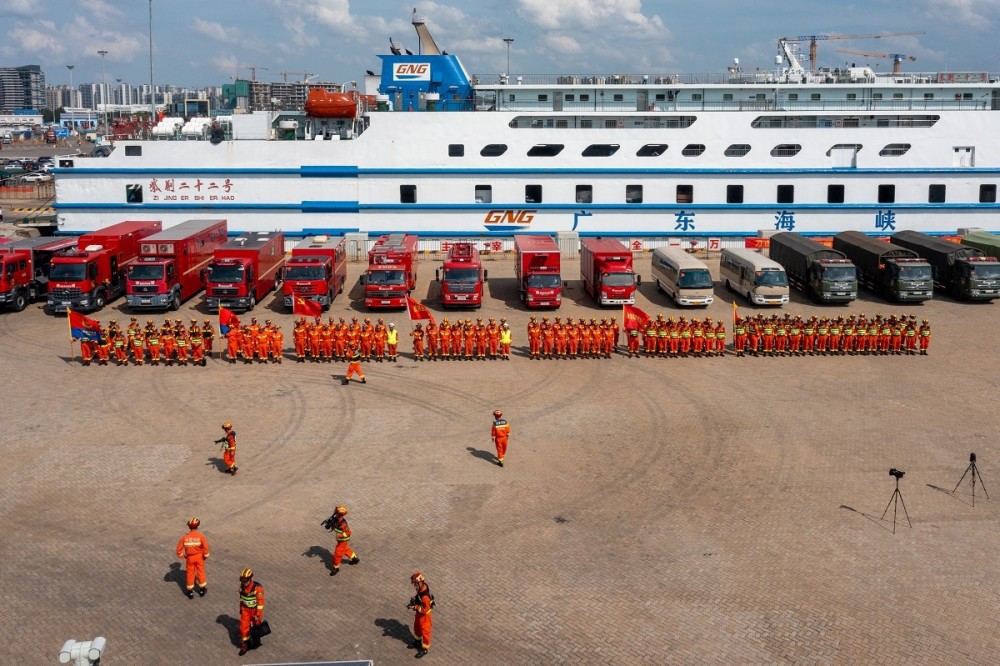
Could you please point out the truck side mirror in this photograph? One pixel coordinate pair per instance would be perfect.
(363, 279)
(638, 279)
(485, 275)
(437, 274)
(203, 275)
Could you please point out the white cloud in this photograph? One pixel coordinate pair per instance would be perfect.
(216, 31)
(100, 9)
(20, 7)
(29, 40)
(619, 16)
(978, 14)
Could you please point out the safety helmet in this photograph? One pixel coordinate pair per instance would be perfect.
(923, 321)
(392, 325)
(149, 321)
(193, 523)
(208, 321)
(506, 325)
(368, 320)
(354, 318)
(177, 321)
(194, 321)
(246, 574)
(341, 511)
(497, 413)
(417, 577)
(227, 426)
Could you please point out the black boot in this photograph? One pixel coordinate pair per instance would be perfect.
(354, 560)
(244, 647)
(202, 591)
(189, 594)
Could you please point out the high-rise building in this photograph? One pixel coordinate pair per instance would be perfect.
(22, 88)
(62, 96)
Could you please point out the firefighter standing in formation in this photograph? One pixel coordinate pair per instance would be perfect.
(193, 547)
(462, 339)
(228, 442)
(343, 532)
(572, 338)
(422, 604)
(666, 337)
(251, 609)
(852, 335)
(500, 434)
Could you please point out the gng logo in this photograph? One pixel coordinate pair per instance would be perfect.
(412, 71)
(507, 220)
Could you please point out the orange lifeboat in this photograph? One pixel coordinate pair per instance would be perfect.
(322, 103)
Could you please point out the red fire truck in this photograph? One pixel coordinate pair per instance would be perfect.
(606, 271)
(93, 274)
(536, 266)
(317, 270)
(463, 277)
(244, 270)
(392, 271)
(24, 268)
(170, 264)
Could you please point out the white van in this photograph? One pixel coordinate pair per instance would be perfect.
(682, 277)
(750, 274)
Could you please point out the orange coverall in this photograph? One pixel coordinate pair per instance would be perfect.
(251, 608)
(229, 451)
(422, 617)
(343, 549)
(501, 432)
(193, 547)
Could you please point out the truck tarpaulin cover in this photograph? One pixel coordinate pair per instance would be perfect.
(418, 310)
(306, 307)
(227, 320)
(83, 328)
(634, 318)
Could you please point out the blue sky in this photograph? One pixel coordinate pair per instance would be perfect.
(209, 42)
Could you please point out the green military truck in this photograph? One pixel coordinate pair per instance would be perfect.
(965, 272)
(892, 271)
(824, 274)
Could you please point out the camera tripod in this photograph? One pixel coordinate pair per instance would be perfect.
(975, 472)
(897, 499)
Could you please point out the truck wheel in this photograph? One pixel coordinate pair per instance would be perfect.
(729, 286)
(99, 300)
(20, 301)
(331, 296)
(253, 302)
(175, 302)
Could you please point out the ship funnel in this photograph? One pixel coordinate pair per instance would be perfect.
(427, 44)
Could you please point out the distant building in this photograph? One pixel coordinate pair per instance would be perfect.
(22, 88)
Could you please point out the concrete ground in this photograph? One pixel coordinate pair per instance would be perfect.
(651, 511)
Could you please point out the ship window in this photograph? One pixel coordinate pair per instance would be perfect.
(894, 150)
(856, 147)
(660, 97)
(685, 194)
(484, 194)
(456, 150)
(814, 97)
(511, 97)
(569, 97)
(633, 194)
(897, 95)
(543, 98)
(936, 193)
(408, 194)
(967, 96)
(612, 123)
(886, 194)
(738, 150)
(793, 97)
(545, 150)
(786, 194)
(652, 150)
(928, 95)
(727, 97)
(876, 96)
(786, 150)
(835, 194)
(584, 194)
(562, 122)
(133, 194)
(584, 97)
(696, 97)
(987, 194)
(693, 150)
(734, 194)
(133, 151)
(601, 150)
(533, 194)
(493, 150)
(852, 96)
(619, 97)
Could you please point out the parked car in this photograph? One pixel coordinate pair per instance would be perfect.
(36, 177)
(14, 166)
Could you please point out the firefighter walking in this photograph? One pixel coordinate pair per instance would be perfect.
(354, 365)
(228, 442)
(343, 532)
(251, 609)
(193, 547)
(500, 434)
(422, 604)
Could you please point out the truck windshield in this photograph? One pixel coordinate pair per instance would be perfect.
(305, 273)
(226, 273)
(772, 279)
(543, 280)
(145, 272)
(986, 272)
(385, 277)
(695, 279)
(915, 273)
(70, 272)
(839, 273)
(466, 275)
(618, 279)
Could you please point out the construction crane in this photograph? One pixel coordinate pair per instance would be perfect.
(897, 58)
(253, 70)
(305, 76)
(812, 39)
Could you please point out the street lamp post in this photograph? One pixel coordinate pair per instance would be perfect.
(152, 90)
(104, 90)
(508, 41)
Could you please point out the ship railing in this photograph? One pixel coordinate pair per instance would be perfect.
(678, 105)
(745, 77)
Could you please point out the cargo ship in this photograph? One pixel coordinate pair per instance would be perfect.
(424, 147)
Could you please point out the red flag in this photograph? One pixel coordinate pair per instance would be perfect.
(227, 320)
(306, 307)
(418, 310)
(735, 313)
(633, 318)
(83, 328)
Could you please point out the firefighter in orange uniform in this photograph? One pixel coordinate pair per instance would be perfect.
(610, 332)
(87, 350)
(197, 343)
(340, 339)
(313, 334)
(326, 341)
(433, 340)
(354, 365)
(456, 339)
(482, 338)
(104, 347)
(445, 332)
(500, 434)
(379, 340)
(343, 532)
(534, 337)
(208, 335)
(193, 547)
(182, 343)
(251, 609)
(418, 342)
(277, 344)
(153, 344)
(367, 338)
(925, 337)
(392, 342)
(228, 442)
(234, 343)
(470, 339)
(505, 341)
(422, 604)
(299, 340)
(573, 338)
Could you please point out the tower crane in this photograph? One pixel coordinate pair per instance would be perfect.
(305, 76)
(253, 70)
(812, 39)
(897, 58)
